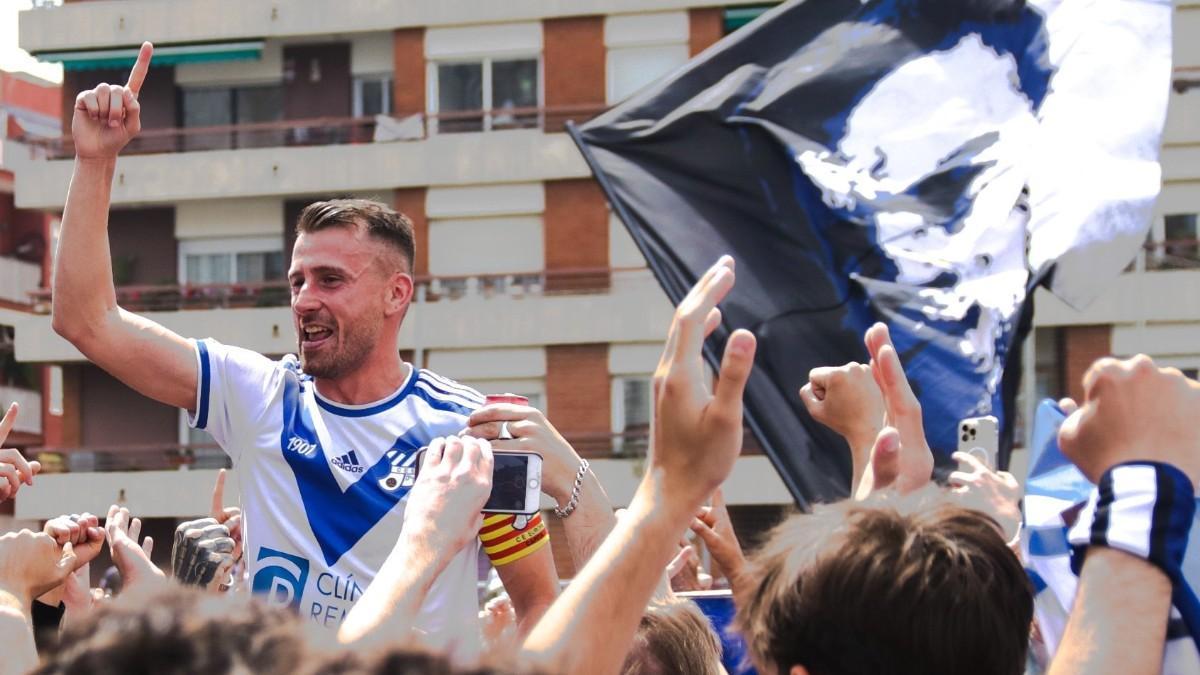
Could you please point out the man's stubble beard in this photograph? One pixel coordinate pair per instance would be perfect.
(349, 356)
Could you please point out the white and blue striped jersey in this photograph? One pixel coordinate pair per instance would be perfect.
(323, 485)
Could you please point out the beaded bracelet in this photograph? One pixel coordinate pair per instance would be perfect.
(574, 501)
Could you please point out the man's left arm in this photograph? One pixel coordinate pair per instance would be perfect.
(523, 559)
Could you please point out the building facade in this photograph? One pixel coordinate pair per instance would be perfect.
(29, 108)
(453, 112)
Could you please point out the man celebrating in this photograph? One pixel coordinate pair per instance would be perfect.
(323, 443)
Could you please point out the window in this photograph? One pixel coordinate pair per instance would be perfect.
(225, 106)
(485, 94)
(1180, 249)
(372, 95)
(231, 261)
(631, 406)
(631, 68)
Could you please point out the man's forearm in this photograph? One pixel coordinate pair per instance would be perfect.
(387, 608)
(83, 282)
(590, 523)
(1119, 621)
(18, 654)
(609, 595)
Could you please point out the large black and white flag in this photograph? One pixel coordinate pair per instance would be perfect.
(920, 162)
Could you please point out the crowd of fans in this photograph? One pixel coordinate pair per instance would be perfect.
(906, 576)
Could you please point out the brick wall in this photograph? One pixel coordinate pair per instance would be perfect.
(573, 65)
(408, 83)
(578, 397)
(1081, 346)
(575, 231)
(706, 25)
(411, 202)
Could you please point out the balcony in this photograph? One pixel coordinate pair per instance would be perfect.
(428, 289)
(18, 280)
(316, 156)
(325, 131)
(29, 421)
(91, 25)
(175, 481)
(576, 306)
(1160, 286)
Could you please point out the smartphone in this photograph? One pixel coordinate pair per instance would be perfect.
(516, 482)
(980, 436)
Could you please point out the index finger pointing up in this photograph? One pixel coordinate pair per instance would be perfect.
(137, 76)
(218, 497)
(6, 424)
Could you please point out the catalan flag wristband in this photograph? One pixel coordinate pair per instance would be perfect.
(508, 538)
(1142, 508)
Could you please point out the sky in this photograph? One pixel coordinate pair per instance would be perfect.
(12, 57)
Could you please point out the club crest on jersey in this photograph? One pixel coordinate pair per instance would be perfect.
(403, 473)
(301, 447)
(348, 463)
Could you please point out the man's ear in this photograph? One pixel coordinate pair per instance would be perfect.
(399, 293)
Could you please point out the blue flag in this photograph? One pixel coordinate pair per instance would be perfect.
(917, 162)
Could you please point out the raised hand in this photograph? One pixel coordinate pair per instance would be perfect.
(82, 531)
(229, 516)
(202, 554)
(109, 116)
(443, 509)
(696, 436)
(995, 493)
(847, 400)
(531, 432)
(714, 526)
(33, 563)
(1133, 410)
(15, 471)
(132, 560)
(914, 460)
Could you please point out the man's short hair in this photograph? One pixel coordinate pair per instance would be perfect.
(177, 629)
(380, 221)
(890, 585)
(173, 629)
(674, 636)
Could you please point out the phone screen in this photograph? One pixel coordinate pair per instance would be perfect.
(509, 476)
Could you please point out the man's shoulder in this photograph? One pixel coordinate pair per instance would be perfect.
(214, 349)
(445, 394)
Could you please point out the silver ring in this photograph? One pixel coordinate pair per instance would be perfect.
(505, 434)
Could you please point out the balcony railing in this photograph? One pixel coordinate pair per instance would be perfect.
(175, 456)
(155, 298)
(323, 131)
(1172, 254)
(631, 444)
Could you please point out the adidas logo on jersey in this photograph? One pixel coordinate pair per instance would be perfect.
(301, 446)
(348, 462)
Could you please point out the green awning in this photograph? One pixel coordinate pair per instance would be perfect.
(167, 55)
(736, 17)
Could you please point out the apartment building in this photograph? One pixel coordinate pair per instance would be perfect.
(28, 109)
(453, 112)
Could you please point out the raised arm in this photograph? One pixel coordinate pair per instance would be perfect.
(139, 352)
(696, 438)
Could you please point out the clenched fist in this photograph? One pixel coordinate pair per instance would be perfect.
(1134, 410)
